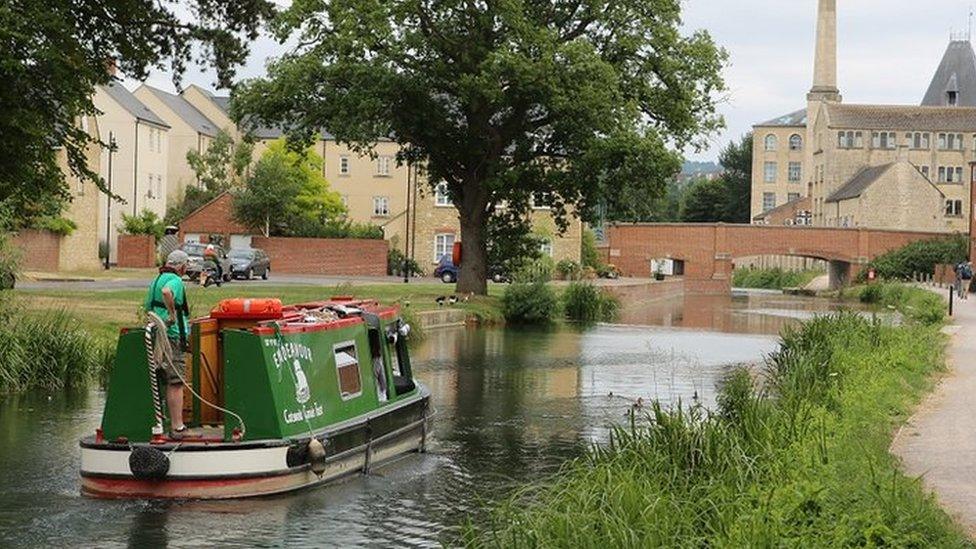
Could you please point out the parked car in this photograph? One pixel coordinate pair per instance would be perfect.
(447, 271)
(248, 262)
(195, 251)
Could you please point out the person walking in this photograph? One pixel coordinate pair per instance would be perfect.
(965, 279)
(167, 298)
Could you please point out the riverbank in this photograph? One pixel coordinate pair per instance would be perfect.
(803, 462)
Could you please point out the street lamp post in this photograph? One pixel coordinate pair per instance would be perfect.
(406, 234)
(108, 210)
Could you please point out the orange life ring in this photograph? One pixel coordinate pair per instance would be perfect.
(252, 308)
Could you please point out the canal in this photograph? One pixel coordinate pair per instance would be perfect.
(512, 406)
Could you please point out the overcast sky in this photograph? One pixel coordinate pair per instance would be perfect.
(887, 53)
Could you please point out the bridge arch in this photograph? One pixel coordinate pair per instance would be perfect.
(708, 250)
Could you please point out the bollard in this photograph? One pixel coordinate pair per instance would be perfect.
(952, 295)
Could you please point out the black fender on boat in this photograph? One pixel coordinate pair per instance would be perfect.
(148, 463)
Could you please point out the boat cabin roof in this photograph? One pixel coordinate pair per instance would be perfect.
(265, 316)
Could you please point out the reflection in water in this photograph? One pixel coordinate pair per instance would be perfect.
(512, 405)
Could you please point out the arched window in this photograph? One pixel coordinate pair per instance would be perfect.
(796, 142)
(770, 142)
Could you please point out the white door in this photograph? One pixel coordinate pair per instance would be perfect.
(191, 238)
(238, 241)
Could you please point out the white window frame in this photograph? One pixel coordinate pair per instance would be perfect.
(344, 165)
(381, 206)
(443, 245)
(765, 196)
(441, 196)
(796, 142)
(790, 197)
(383, 166)
(953, 208)
(794, 168)
(545, 246)
(770, 143)
(769, 172)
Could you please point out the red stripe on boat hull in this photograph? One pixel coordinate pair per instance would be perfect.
(128, 488)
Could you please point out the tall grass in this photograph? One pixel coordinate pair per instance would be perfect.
(49, 351)
(914, 303)
(800, 462)
(530, 303)
(582, 301)
(772, 279)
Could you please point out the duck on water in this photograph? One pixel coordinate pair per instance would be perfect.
(279, 398)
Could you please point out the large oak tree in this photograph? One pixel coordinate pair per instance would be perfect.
(54, 52)
(577, 101)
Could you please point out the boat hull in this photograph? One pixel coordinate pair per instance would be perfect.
(227, 470)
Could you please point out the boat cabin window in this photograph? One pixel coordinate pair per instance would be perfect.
(347, 365)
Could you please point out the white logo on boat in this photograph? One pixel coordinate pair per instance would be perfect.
(301, 384)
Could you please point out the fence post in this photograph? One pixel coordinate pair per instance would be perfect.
(952, 296)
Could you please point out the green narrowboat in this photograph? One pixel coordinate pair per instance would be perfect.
(278, 399)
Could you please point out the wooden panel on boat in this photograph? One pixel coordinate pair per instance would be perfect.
(211, 372)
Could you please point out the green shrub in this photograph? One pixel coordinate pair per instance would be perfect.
(530, 303)
(919, 257)
(55, 224)
(585, 302)
(9, 262)
(147, 222)
(538, 270)
(916, 304)
(568, 269)
(589, 253)
(397, 262)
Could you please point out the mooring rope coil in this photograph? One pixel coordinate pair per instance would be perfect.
(153, 381)
(161, 343)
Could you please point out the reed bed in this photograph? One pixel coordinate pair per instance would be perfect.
(799, 459)
(49, 350)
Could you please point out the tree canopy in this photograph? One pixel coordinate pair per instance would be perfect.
(286, 194)
(583, 100)
(54, 54)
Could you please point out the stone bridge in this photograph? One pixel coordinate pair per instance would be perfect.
(705, 253)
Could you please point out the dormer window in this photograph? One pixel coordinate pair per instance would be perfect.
(952, 98)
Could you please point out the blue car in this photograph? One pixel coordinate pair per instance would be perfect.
(446, 270)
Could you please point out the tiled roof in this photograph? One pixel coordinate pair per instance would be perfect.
(901, 117)
(859, 183)
(802, 203)
(957, 73)
(196, 119)
(258, 131)
(132, 104)
(796, 118)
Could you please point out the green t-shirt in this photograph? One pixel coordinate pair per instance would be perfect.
(175, 285)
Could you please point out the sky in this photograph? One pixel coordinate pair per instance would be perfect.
(887, 52)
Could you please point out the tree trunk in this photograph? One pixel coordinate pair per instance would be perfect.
(473, 272)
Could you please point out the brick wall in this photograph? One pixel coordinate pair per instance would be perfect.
(136, 251)
(40, 250)
(215, 217)
(325, 256)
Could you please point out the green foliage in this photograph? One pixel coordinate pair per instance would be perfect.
(587, 104)
(55, 224)
(736, 178)
(568, 269)
(916, 304)
(397, 263)
(511, 243)
(147, 222)
(287, 195)
(589, 254)
(703, 202)
(530, 303)
(48, 351)
(772, 279)
(801, 461)
(9, 262)
(585, 302)
(919, 257)
(222, 164)
(55, 53)
(539, 270)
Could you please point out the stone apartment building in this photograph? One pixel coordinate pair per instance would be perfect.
(190, 130)
(878, 166)
(375, 190)
(140, 163)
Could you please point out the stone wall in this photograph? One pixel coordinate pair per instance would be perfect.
(325, 256)
(40, 250)
(136, 251)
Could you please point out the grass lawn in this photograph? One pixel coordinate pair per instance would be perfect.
(104, 312)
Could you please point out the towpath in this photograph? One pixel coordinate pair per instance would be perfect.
(939, 442)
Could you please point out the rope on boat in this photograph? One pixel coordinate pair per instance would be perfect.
(157, 429)
(166, 356)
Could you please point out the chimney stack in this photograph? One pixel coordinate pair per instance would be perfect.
(825, 60)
